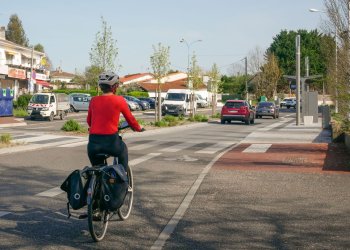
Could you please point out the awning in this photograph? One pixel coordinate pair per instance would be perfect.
(43, 83)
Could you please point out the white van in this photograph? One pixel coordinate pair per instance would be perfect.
(177, 102)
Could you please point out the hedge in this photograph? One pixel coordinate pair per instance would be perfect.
(138, 94)
(69, 91)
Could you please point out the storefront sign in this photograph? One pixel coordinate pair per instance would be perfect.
(17, 73)
(38, 76)
(4, 69)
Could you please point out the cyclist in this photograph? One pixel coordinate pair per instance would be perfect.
(103, 119)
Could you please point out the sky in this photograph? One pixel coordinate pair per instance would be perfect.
(229, 29)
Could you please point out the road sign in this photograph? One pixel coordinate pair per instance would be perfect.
(293, 86)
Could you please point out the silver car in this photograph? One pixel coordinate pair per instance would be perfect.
(79, 102)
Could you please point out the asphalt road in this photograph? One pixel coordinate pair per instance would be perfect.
(177, 188)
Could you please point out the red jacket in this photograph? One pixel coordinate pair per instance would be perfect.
(104, 112)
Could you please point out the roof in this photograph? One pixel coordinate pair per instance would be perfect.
(128, 78)
(180, 84)
(61, 74)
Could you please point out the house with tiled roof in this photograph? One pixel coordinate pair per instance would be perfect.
(136, 78)
(61, 76)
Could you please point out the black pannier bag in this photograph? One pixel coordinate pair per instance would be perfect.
(114, 186)
(76, 186)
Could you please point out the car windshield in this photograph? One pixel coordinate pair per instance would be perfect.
(265, 104)
(41, 99)
(234, 104)
(175, 96)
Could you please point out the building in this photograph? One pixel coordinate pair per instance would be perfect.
(59, 76)
(16, 62)
(148, 83)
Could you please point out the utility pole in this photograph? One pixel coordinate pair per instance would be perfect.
(297, 45)
(30, 85)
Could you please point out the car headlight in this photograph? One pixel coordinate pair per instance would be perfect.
(45, 109)
(29, 108)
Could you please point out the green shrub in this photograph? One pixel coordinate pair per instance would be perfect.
(161, 123)
(92, 92)
(19, 112)
(73, 125)
(138, 94)
(170, 118)
(22, 101)
(5, 139)
(200, 118)
(217, 115)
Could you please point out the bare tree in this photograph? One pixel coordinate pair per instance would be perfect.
(214, 75)
(255, 60)
(195, 74)
(160, 65)
(338, 23)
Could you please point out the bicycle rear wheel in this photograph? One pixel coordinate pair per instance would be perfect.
(125, 210)
(97, 218)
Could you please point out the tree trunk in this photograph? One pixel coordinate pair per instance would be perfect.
(159, 103)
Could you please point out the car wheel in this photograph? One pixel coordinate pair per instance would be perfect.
(51, 117)
(247, 121)
(256, 116)
(274, 116)
(222, 121)
(72, 109)
(252, 121)
(288, 107)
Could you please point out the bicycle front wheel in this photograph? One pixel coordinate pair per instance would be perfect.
(125, 210)
(97, 218)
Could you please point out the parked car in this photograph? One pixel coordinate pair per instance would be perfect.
(79, 102)
(288, 102)
(201, 102)
(133, 106)
(143, 104)
(267, 109)
(151, 101)
(237, 110)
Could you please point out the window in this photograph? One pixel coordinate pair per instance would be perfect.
(236, 105)
(52, 99)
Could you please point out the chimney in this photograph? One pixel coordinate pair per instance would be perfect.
(2, 32)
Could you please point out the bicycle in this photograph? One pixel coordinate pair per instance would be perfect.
(98, 218)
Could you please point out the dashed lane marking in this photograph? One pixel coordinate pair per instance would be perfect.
(214, 148)
(51, 192)
(178, 147)
(257, 148)
(143, 158)
(3, 213)
(75, 144)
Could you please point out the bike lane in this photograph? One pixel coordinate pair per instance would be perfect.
(270, 196)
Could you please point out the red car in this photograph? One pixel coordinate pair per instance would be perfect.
(237, 110)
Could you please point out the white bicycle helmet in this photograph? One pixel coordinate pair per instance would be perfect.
(109, 78)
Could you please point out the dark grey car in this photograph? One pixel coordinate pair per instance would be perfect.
(267, 109)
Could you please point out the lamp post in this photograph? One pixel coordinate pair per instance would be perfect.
(336, 59)
(189, 85)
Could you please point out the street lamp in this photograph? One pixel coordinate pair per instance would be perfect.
(336, 59)
(188, 68)
(188, 54)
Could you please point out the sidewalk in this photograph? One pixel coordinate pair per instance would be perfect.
(291, 149)
(11, 121)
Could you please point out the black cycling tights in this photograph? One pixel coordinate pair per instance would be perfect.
(112, 145)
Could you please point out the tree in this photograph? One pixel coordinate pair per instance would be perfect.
(15, 32)
(160, 65)
(104, 51)
(255, 60)
(269, 76)
(283, 47)
(39, 47)
(338, 75)
(214, 82)
(195, 78)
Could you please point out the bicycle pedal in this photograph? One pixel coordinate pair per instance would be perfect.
(82, 216)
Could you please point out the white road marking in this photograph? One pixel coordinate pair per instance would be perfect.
(170, 227)
(34, 128)
(178, 147)
(3, 213)
(143, 158)
(257, 148)
(274, 125)
(145, 145)
(51, 192)
(214, 148)
(72, 145)
(37, 138)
